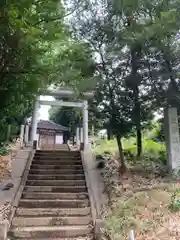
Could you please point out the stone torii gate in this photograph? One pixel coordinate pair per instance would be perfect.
(170, 116)
(64, 93)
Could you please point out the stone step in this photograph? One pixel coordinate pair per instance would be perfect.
(53, 212)
(61, 189)
(55, 150)
(56, 171)
(56, 183)
(57, 163)
(54, 195)
(62, 162)
(58, 153)
(50, 221)
(50, 232)
(54, 203)
(56, 177)
(66, 167)
(89, 237)
(60, 158)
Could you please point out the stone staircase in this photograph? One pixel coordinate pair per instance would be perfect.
(54, 203)
(59, 147)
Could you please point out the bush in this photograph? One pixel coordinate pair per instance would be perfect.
(104, 146)
(152, 151)
(175, 201)
(4, 150)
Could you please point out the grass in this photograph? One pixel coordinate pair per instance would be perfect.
(175, 201)
(152, 150)
(147, 200)
(147, 213)
(102, 146)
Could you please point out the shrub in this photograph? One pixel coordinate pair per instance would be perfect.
(104, 146)
(4, 150)
(152, 151)
(175, 201)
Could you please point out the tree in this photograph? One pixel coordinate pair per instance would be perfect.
(66, 116)
(133, 42)
(113, 66)
(36, 50)
(134, 18)
(25, 52)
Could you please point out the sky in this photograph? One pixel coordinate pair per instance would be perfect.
(43, 111)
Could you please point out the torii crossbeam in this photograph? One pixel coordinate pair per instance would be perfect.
(62, 93)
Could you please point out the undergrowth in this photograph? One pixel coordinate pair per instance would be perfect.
(175, 201)
(147, 200)
(145, 212)
(4, 150)
(152, 151)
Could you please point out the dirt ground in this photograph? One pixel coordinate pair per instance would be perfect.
(140, 201)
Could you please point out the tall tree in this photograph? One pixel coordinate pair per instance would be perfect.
(132, 43)
(36, 50)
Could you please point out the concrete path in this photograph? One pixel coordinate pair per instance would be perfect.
(18, 165)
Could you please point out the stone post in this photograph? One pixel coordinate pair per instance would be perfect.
(85, 124)
(35, 120)
(22, 136)
(26, 137)
(3, 229)
(171, 129)
(81, 135)
(77, 137)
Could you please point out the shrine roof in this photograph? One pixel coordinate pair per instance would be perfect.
(50, 125)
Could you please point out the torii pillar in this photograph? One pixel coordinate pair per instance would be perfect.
(77, 137)
(33, 136)
(85, 124)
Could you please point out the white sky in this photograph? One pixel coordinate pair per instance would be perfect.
(44, 109)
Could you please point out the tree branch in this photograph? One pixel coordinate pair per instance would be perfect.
(56, 18)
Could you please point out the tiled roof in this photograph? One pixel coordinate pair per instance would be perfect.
(47, 124)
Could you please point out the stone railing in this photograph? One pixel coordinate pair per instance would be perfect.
(95, 187)
(20, 168)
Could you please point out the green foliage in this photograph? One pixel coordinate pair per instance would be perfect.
(102, 146)
(26, 53)
(152, 151)
(66, 116)
(175, 201)
(36, 50)
(135, 48)
(155, 131)
(4, 150)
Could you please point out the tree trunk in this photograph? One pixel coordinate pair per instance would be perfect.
(137, 116)
(136, 55)
(8, 133)
(73, 139)
(139, 142)
(109, 134)
(121, 155)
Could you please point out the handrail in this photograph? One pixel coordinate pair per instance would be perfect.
(87, 170)
(20, 188)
